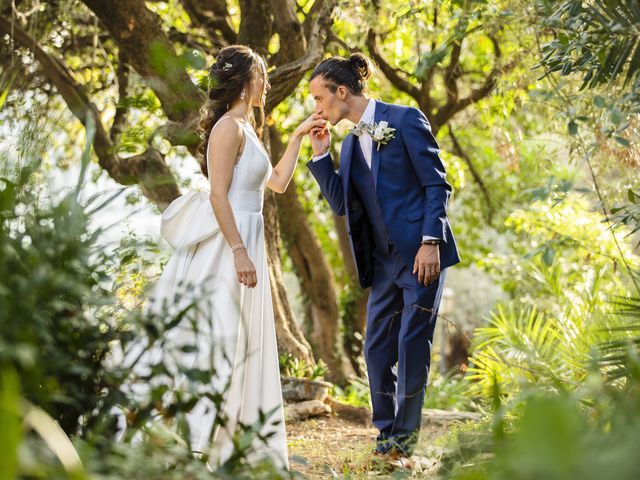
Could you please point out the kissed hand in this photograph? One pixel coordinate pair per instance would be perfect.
(313, 121)
(320, 140)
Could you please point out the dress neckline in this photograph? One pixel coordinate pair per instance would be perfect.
(259, 144)
(246, 126)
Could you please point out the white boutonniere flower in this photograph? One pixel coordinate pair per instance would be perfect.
(381, 133)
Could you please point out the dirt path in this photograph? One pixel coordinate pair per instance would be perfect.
(331, 447)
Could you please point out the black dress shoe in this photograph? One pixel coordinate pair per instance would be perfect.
(396, 452)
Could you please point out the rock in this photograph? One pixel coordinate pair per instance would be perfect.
(358, 415)
(426, 466)
(434, 452)
(309, 408)
(434, 416)
(302, 389)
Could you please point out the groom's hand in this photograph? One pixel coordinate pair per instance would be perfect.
(320, 140)
(427, 264)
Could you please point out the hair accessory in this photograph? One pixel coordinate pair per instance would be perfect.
(227, 66)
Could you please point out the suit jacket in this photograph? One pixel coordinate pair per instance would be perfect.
(410, 187)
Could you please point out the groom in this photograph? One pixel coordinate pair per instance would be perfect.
(391, 185)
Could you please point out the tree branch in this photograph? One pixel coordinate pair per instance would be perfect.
(474, 173)
(120, 117)
(452, 73)
(293, 42)
(396, 76)
(309, 19)
(285, 78)
(213, 17)
(148, 170)
(197, 42)
(138, 31)
(445, 113)
(333, 38)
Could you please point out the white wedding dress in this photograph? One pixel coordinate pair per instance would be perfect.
(235, 324)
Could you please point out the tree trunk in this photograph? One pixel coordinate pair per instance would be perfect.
(255, 31)
(315, 274)
(255, 28)
(355, 317)
(139, 35)
(138, 31)
(290, 337)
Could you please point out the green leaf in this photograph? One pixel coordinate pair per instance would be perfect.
(622, 141)
(7, 89)
(194, 59)
(431, 59)
(10, 421)
(616, 117)
(548, 256)
(572, 127)
(634, 65)
(599, 102)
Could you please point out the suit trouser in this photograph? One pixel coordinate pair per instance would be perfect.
(400, 325)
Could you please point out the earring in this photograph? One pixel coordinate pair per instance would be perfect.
(242, 94)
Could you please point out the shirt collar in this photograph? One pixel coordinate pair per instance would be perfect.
(369, 112)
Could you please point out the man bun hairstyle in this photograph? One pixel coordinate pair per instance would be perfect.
(352, 72)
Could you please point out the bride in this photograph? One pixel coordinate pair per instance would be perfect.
(219, 245)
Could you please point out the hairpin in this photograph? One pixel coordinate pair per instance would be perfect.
(227, 66)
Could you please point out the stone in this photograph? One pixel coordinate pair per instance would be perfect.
(302, 389)
(302, 410)
(358, 415)
(433, 416)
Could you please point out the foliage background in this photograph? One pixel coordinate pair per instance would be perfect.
(535, 107)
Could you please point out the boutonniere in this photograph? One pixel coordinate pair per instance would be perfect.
(360, 128)
(380, 133)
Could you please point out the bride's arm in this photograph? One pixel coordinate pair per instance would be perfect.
(283, 171)
(227, 139)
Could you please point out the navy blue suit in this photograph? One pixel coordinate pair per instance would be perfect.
(389, 208)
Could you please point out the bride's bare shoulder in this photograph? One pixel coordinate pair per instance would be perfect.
(226, 128)
(227, 134)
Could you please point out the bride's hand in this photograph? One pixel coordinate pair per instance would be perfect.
(320, 140)
(313, 121)
(245, 270)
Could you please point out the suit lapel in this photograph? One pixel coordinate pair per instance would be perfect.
(346, 154)
(381, 113)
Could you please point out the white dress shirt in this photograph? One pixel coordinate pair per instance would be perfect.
(366, 143)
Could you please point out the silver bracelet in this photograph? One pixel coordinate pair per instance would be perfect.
(238, 247)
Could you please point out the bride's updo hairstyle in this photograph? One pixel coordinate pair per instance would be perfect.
(352, 72)
(230, 74)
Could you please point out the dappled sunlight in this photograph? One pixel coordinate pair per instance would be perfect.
(503, 135)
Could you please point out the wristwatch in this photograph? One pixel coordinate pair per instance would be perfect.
(431, 242)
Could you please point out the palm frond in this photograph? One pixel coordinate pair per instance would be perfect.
(600, 38)
(619, 351)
